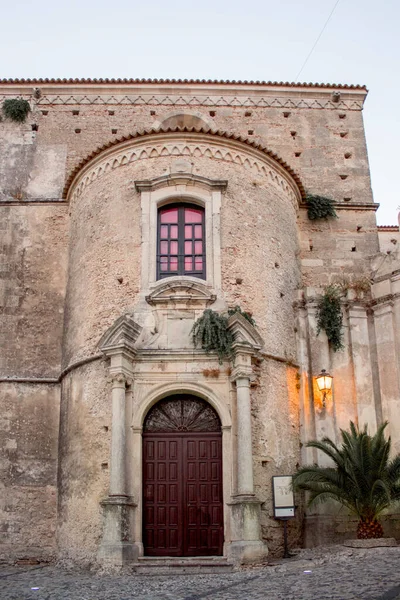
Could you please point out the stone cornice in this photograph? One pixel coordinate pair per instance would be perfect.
(150, 185)
(350, 206)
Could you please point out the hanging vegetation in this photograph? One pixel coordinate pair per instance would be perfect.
(244, 314)
(320, 207)
(330, 317)
(211, 333)
(16, 109)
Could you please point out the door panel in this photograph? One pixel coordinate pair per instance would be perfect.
(162, 497)
(183, 507)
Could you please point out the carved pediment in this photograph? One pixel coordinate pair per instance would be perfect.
(181, 294)
(243, 331)
(122, 335)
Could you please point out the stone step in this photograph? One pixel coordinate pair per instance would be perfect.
(160, 565)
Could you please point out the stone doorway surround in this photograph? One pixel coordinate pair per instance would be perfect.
(140, 377)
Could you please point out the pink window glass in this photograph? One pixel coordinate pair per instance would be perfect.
(163, 247)
(188, 263)
(198, 263)
(188, 248)
(169, 215)
(164, 232)
(173, 263)
(173, 247)
(188, 232)
(174, 232)
(163, 263)
(193, 216)
(198, 232)
(198, 247)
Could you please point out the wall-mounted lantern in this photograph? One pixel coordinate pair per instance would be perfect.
(324, 383)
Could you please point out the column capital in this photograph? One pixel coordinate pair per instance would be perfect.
(242, 372)
(119, 380)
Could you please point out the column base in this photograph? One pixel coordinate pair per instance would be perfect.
(246, 545)
(119, 554)
(116, 548)
(247, 552)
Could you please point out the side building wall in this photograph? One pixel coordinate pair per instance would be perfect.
(34, 242)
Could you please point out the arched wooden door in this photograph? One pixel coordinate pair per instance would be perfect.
(182, 479)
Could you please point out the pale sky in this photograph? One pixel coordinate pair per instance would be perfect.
(223, 39)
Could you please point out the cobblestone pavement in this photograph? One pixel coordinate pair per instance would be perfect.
(335, 574)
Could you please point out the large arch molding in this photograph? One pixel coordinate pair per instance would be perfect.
(186, 142)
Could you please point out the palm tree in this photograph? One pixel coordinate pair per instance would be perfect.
(362, 478)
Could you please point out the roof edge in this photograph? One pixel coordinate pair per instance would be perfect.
(130, 81)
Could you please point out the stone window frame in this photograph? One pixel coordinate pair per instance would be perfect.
(172, 189)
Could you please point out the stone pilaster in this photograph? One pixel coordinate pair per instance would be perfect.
(246, 545)
(117, 546)
(386, 345)
(361, 357)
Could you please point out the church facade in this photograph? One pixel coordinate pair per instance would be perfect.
(129, 208)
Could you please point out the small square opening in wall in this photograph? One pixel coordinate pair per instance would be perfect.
(153, 113)
(353, 249)
(342, 115)
(75, 113)
(286, 115)
(297, 154)
(45, 112)
(114, 131)
(347, 154)
(343, 134)
(111, 113)
(293, 133)
(250, 132)
(212, 113)
(77, 130)
(247, 113)
(35, 127)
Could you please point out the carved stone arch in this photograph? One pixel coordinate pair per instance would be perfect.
(180, 413)
(196, 389)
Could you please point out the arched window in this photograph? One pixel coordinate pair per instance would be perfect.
(181, 241)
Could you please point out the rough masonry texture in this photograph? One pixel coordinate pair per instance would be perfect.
(91, 339)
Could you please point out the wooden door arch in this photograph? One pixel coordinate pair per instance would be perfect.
(182, 478)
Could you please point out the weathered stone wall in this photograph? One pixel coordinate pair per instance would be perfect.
(84, 448)
(28, 470)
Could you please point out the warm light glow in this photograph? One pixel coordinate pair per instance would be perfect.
(324, 383)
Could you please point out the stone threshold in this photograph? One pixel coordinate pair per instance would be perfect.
(159, 565)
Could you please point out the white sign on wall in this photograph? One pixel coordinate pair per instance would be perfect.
(283, 497)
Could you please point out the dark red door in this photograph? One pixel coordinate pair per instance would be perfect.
(182, 482)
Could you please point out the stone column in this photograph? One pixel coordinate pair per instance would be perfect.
(244, 444)
(117, 463)
(118, 547)
(246, 545)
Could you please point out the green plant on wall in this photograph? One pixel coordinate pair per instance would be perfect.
(16, 109)
(245, 314)
(211, 333)
(320, 207)
(330, 317)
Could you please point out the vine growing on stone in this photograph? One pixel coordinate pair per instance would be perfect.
(320, 207)
(16, 109)
(330, 317)
(245, 314)
(211, 333)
